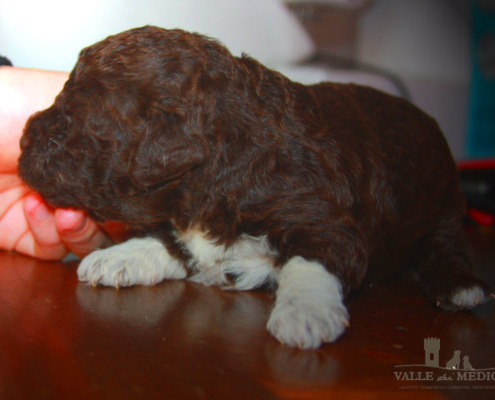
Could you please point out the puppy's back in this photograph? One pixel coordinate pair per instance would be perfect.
(407, 176)
(392, 134)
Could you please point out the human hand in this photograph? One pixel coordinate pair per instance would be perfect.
(28, 224)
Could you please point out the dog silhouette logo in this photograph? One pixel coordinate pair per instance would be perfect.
(466, 364)
(454, 362)
(457, 369)
(432, 356)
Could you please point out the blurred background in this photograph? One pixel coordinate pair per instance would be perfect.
(438, 53)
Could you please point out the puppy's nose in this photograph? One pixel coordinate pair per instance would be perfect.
(24, 142)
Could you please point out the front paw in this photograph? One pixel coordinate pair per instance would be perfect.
(307, 323)
(106, 267)
(309, 309)
(143, 261)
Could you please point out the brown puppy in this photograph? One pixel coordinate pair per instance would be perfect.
(236, 176)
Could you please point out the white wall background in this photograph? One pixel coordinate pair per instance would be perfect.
(48, 34)
(428, 44)
(427, 39)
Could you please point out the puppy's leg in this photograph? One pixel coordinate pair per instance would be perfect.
(309, 309)
(143, 261)
(327, 258)
(446, 269)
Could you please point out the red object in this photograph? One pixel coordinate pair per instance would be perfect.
(482, 217)
(477, 164)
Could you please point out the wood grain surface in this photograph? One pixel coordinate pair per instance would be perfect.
(61, 339)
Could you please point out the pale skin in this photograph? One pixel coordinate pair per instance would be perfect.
(28, 225)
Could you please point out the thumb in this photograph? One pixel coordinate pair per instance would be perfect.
(79, 233)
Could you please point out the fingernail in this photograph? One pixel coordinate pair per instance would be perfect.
(35, 206)
(80, 226)
(71, 221)
(42, 213)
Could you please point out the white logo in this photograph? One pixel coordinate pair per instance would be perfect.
(456, 373)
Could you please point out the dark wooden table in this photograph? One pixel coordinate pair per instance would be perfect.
(60, 339)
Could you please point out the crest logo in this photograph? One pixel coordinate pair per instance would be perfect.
(457, 371)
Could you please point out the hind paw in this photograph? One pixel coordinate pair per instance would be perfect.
(460, 293)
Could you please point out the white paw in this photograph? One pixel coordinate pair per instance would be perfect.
(307, 323)
(467, 299)
(309, 310)
(143, 261)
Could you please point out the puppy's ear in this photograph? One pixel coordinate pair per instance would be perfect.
(168, 149)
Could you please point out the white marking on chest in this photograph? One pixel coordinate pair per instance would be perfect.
(250, 260)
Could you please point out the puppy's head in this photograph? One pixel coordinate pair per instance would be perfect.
(129, 125)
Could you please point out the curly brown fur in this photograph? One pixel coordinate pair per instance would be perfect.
(166, 131)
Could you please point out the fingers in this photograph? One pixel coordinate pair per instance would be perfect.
(42, 239)
(53, 233)
(79, 233)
